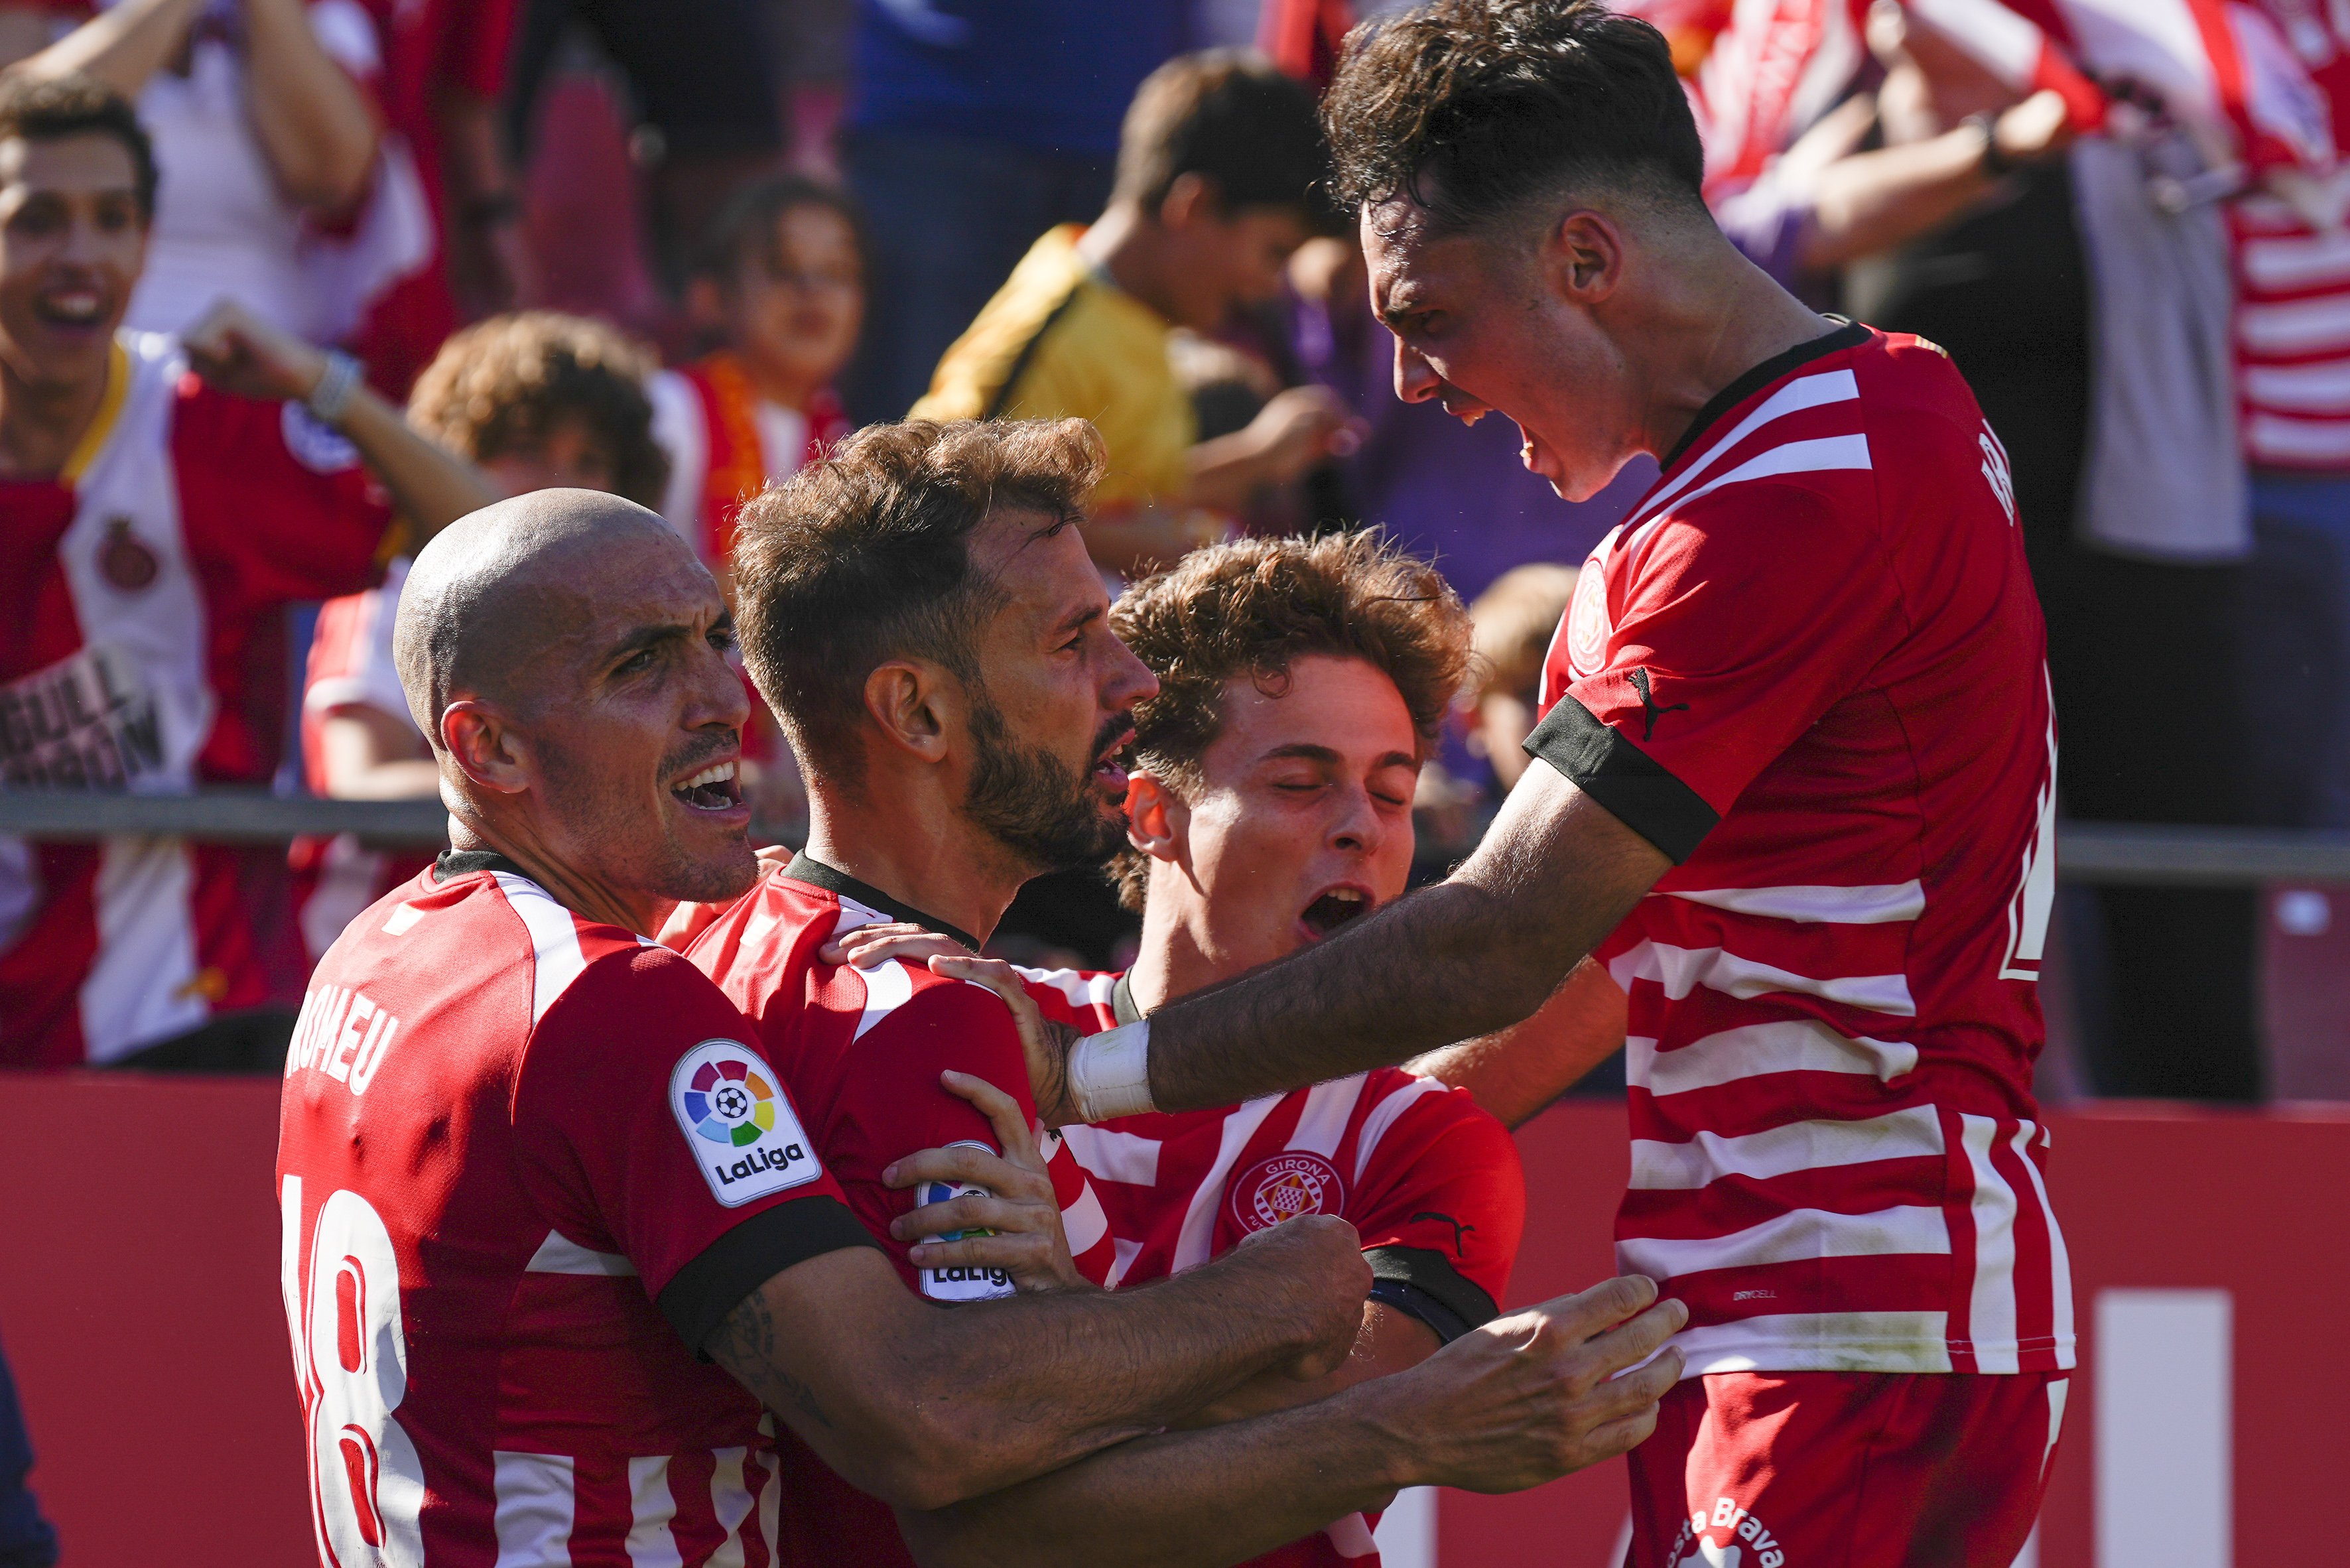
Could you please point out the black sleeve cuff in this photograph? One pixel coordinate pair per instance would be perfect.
(1416, 1281)
(696, 1300)
(1633, 786)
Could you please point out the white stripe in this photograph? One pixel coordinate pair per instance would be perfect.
(1682, 970)
(1082, 990)
(534, 1510)
(1084, 1223)
(650, 1508)
(1824, 455)
(2299, 326)
(2296, 261)
(554, 939)
(2059, 1263)
(2006, 44)
(1749, 1051)
(1384, 1115)
(2297, 440)
(2165, 1407)
(889, 984)
(1800, 1235)
(1658, 1166)
(771, 1495)
(1351, 1537)
(1113, 1155)
(1804, 393)
(1122, 1255)
(1819, 1342)
(1328, 1108)
(730, 1501)
(142, 985)
(1838, 906)
(401, 920)
(1991, 1303)
(1200, 1220)
(2322, 388)
(559, 1254)
(2058, 1391)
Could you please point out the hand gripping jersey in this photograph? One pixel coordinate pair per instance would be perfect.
(527, 1164)
(1430, 1181)
(861, 1052)
(1809, 667)
(142, 648)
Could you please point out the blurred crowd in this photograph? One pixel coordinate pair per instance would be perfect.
(672, 249)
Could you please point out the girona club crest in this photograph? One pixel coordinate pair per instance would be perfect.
(1283, 1187)
(1586, 622)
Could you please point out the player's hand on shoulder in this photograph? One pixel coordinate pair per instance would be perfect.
(1013, 1221)
(1318, 1258)
(1046, 1042)
(1541, 1393)
(870, 946)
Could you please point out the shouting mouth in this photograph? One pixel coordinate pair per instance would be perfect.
(1110, 768)
(713, 789)
(1340, 906)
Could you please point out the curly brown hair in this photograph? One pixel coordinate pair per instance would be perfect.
(1250, 609)
(863, 557)
(506, 384)
(1474, 107)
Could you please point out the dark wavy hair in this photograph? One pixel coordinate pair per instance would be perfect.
(1474, 108)
(51, 108)
(1248, 611)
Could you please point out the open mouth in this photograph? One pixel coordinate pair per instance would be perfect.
(1333, 910)
(715, 788)
(1109, 771)
(72, 308)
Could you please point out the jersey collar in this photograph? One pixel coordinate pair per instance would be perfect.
(816, 873)
(454, 863)
(1851, 335)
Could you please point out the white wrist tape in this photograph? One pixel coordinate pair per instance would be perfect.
(1109, 1074)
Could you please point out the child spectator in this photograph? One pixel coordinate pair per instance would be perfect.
(782, 282)
(155, 526)
(535, 401)
(1216, 168)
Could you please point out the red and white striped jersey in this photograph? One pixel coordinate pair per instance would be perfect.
(861, 1052)
(1809, 667)
(1432, 1182)
(143, 593)
(510, 1142)
(350, 667)
(2292, 287)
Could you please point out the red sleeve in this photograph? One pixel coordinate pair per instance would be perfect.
(649, 1125)
(891, 1105)
(476, 47)
(277, 496)
(1443, 1180)
(1732, 626)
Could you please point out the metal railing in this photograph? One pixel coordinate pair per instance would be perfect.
(2085, 851)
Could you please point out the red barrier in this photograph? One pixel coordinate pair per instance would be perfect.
(139, 1308)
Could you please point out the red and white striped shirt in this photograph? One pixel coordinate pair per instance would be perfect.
(143, 594)
(1810, 668)
(512, 1140)
(1430, 1182)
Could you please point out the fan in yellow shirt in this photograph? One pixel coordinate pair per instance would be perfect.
(1217, 164)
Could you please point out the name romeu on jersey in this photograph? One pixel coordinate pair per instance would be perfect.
(1430, 1182)
(527, 1164)
(1810, 668)
(861, 1051)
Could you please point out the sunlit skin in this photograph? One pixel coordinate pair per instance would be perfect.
(792, 309)
(1065, 686)
(1305, 792)
(569, 456)
(582, 777)
(73, 241)
(1191, 259)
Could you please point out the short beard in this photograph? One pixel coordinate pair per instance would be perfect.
(1028, 801)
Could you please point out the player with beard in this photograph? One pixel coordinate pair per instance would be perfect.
(921, 614)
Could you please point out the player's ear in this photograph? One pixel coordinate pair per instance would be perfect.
(1155, 817)
(1583, 255)
(909, 699)
(486, 747)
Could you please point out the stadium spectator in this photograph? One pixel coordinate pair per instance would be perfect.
(26, 1540)
(1217, 163)
(781, 284)
(1516, 621)
(535, 401)
(1794, 785)
(158, 524)
(970, 132)
(278, 190)
(545, 1093)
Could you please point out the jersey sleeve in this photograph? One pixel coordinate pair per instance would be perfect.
(1746, 615)
(1440, 1207)
(892, 1105)
(649, 1125)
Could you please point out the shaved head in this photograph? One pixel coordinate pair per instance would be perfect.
(569, 659)
(497, 591)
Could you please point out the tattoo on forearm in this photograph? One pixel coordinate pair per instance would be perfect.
(745, 1346)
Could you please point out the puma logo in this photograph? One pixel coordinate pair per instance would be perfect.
(1648, 703)
(1459, 1229)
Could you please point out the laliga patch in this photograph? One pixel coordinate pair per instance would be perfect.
(961, 1282)
(1725, 1536)
(1284, 1187)
(738, 1124)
